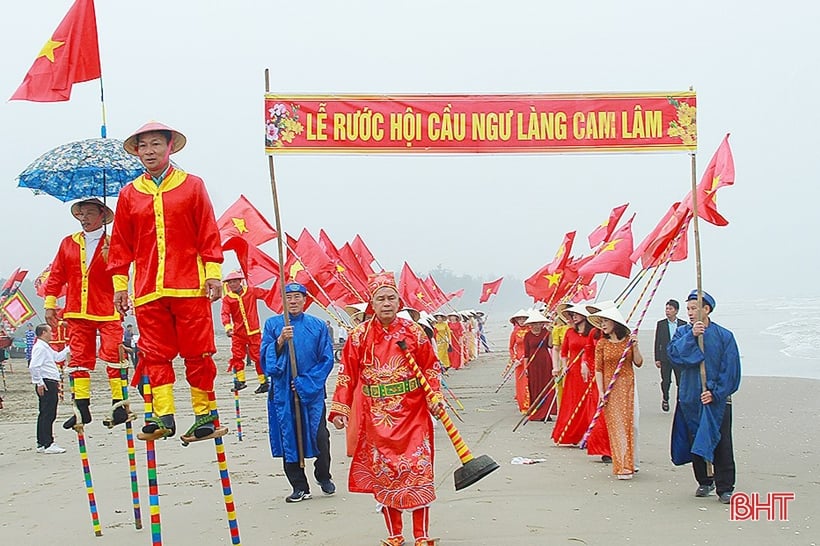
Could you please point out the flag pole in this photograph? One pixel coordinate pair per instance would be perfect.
(297, 406)
(699, 278)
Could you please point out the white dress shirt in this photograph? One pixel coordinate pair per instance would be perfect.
(44, 362)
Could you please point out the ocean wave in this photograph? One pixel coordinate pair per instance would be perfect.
(801, 337)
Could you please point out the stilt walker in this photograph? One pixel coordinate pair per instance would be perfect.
(165, 233)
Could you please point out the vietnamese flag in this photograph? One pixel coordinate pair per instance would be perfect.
(603, 231)
(243, 220)
(257, 266)
(541, 284)
(614, 255)
(437, 294)
(71, 55)
(363, 253)
(562, 255)
(720, 172)
(586, 292)
(413, 292)
(489, 289)
(653, 249)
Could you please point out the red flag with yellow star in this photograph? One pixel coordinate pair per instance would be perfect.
(242, 219)
(71, 55)
(413, 291)
(489, 289)
(604, 230)
(613, 256)
(562, 255)
(720, 172)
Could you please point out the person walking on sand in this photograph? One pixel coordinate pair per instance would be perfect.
(313, 350)
(394, 452)
(620, 404)
(46, 379)
(664, 331)
(165, 227)
(702, 426)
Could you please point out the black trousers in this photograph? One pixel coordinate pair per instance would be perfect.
(666, 378)
(321, 465)
(724, 463)
(48, 413)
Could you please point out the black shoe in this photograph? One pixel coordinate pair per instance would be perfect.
(238, 386)
(725, 497)
(665, 405)
(262, 388)
(606, 459)
(85, 414)
(168, 423)
(298, 496)
(328, 487)
(704, 490)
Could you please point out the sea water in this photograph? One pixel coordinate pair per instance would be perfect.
(776, 336)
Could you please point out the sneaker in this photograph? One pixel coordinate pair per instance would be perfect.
(704, 490)
(298, 496)
(328, 487)
(53, 449)
(262, 388)
(725, 497)
(40, 449)
(665, 405)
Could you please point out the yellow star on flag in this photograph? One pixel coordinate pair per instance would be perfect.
(48, 49)
(611, 245)
(553, 278)
(239, 224)
(339, 268)
(560, 252)
(420, 295)
(295, 268)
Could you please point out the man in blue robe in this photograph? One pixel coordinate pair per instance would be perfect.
(314, 361)
(702, 427)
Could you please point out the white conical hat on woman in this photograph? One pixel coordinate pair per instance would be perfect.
(536, 317)
(611, 313)
(577, 308)
(599, 306)
(521, 313)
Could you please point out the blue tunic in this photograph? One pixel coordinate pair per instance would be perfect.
(696, 427)
(314, 361)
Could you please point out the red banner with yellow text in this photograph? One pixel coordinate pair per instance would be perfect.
(481, 123)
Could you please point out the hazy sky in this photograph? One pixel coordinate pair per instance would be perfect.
(198, 66)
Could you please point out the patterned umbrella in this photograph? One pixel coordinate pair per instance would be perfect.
(97, 167)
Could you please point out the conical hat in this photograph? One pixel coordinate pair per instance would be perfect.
(521, 313)
(611, 313)
(235, 275)
(577, 308)
(108, 214)
(178, 138)
(536, 317)
(597, 306)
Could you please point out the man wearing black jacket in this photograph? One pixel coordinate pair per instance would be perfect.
(664, 331)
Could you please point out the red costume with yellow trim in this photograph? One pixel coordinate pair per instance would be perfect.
(240, 317)
(89, 308)
(168, 231)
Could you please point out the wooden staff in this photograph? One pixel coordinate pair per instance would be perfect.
(709, 468)
(297, 405)
(473, 468)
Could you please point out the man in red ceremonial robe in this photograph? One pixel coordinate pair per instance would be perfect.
(393, 459)
(165, 226)
(80, 270)
(240, 318)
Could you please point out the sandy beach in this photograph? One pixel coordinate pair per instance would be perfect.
(569, 499)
